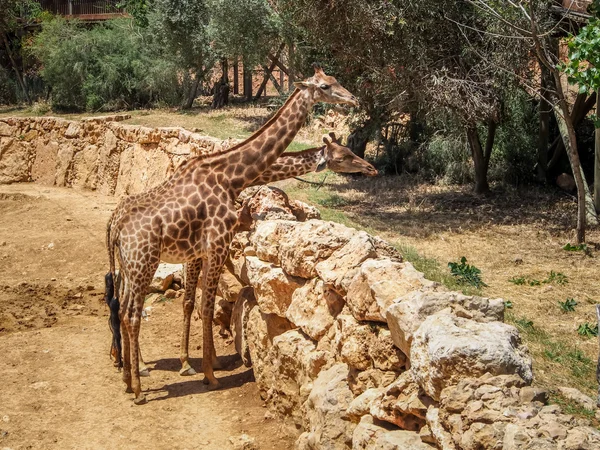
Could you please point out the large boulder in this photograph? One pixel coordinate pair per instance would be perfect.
(14, 160)
(298, 247)
(403, 403)
(314, 308)
(369, 436)
(446, 349)
(287, 372)
(378, 282)
(229, 286)
(339, 269)
(272, 286)
(407, 313)
(325, 419)
(365, 346)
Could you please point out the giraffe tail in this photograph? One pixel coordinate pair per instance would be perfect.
(111, 297)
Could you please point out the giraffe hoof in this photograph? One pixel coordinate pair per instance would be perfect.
(141, 400)
(128, 390)
(144, 373)
(187, 371)
(212, 385)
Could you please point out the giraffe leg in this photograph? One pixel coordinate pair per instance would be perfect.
(212, 273)
(125, 354)
(134, 317)
(192, 271)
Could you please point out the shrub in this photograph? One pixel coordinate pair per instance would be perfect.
(8, 88)
(110, 66)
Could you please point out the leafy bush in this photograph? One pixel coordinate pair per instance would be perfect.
(568, 305)
(515, 148)
(446, 159)
(112, 65)
(466, 274)
(588, 329)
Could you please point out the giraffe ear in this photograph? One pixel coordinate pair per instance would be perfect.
(326, 141)
(302, 84)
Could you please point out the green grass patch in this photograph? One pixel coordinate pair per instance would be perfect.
(559, 353)
(572, 407)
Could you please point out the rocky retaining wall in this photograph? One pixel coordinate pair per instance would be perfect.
(362, 352)
(97, 153)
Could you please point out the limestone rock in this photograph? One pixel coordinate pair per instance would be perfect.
(403, 403)
(304, 211)
(377, 283)
(297, 247)
(340, 267)
(14, 160)
(229, 286)
(368, 436)
(578, 397)
(267, 203)
(314, 308)
(272, 286)
(239, 320)
(407, 313)
(361, 405)
(447, 348)
(325, 410)
(222, 316)
(384, 354)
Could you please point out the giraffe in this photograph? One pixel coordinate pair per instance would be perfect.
(191, 218)
(332, 155)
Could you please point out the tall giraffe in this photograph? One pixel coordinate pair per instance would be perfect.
(332, 155)
(191, 218)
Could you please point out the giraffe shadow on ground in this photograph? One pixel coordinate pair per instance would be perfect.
(195, 385)
(229, 363)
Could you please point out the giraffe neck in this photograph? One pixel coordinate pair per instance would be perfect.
(244, 163)
(291, 164)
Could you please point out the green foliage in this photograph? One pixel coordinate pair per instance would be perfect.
(247, 28)
(524, 324)
(553, 277)
(112, 65)
(8, 88)
(466, 274)
(557, 278)
(588, 329)
(445, 158)
(583, 65)
(508, 304)
(575, 248)
(568, 305)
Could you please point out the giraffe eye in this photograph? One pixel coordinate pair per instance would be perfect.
(324, 86)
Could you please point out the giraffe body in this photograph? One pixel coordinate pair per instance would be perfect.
(191, 218)
(335, 156)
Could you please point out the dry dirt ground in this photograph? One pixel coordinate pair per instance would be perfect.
(58, 388)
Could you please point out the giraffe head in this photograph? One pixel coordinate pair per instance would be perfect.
(340, 159)
(327, 89)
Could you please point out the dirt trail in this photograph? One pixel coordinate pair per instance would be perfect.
(58, 388)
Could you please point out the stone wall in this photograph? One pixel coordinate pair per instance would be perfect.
(98, 153)
(361, 352)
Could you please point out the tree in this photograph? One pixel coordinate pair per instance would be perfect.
(182, 26)
(531, 22)
(244, 28)
(16, 15)
(583, 69)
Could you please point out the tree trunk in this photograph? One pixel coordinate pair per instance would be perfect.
(481, 157)
(544, 130)
(236, 82)
(247, 81)
(225, 70)
(291, 78)
(16, 69)
(567, 131)
(192, 93)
